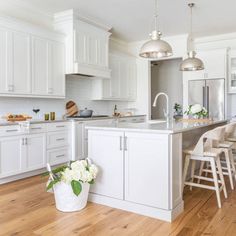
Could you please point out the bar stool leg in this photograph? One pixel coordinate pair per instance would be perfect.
(192, 172)
(232, 163)
(213, 167)
(186, 165)
(200, 171)
(227, 159)
(221, 176)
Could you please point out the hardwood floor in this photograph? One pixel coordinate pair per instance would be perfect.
(26, 209)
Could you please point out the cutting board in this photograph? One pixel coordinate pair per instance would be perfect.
(71, 108)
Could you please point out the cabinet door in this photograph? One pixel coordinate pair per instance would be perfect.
(35, 151)
(132, 80)
(56, 83)
(105, 149)
(39, 66)
(124, 78)
(147, 169)
(11, 155)
(115, 77)
(20, 64)
(4, 49)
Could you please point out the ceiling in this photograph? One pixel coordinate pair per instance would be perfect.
(132, 20)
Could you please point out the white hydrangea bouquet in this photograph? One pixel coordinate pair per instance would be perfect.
(70, 184)
(197, 111)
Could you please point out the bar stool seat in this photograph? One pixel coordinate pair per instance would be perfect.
(211, 152)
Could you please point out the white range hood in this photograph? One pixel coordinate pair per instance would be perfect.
(87, 44)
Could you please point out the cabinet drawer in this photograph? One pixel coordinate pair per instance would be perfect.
(58, 126)
(58, 156)
(38, 128)
(57, 139)
(10, 130)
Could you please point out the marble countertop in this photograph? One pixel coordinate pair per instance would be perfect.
(160, 127)
(8, 123)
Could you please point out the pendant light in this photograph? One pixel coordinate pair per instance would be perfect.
(192, 63)
(156, 48)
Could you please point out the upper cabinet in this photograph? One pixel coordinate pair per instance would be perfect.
(87, 44)
(31, 62)
(122, 85)
(215, 62)
(232, 71)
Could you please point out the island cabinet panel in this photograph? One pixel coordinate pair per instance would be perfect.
(105, 149)
(146, 169)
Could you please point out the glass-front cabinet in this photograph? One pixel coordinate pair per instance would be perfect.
(232, 71)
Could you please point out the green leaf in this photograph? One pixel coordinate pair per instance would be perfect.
(45, 174)
(76, 186)
(91, 182)
(59, 169)
(53, 182)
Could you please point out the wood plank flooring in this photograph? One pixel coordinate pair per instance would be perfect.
(26, 209)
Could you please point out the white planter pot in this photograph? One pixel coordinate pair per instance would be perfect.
(67, 201)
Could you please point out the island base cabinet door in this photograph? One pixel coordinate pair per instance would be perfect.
(146, 169)
(11, 155)
(105, 150)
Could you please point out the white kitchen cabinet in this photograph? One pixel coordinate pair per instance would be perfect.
(215, 65)
(232, 72)
(35, 146)
(122, 85)
(56, 81)
(15, 62)
(106, 151)
(87, 44)
(22, 153)
(32, 61)
(20, 65)
(146, 166)
(48, 68)
(11, 155)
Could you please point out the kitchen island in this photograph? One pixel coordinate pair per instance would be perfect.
(141, 165)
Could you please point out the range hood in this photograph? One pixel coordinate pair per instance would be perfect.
(86, 44)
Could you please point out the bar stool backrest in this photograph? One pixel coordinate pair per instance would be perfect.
(208, 140)
(230, 130)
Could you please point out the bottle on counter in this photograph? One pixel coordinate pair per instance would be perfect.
(115, 113)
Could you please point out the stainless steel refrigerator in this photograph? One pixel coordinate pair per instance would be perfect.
(210, 94)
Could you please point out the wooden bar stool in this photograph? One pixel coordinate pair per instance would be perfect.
(227, 162)
(204, 152)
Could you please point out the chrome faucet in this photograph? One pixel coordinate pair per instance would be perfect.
(166, 113)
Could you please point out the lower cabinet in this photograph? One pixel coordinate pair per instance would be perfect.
(146, 162)
(107, 153)
(11, 152)
(133, 166)
(58, 156)
(22, 153)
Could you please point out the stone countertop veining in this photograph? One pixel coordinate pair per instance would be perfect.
(161, 127)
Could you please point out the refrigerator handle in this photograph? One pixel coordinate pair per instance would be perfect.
(207, 99)
(204, 95)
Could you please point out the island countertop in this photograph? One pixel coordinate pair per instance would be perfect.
(160, 127)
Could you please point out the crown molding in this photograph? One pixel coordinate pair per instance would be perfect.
(215, 38)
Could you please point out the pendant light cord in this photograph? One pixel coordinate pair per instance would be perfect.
(156, 16)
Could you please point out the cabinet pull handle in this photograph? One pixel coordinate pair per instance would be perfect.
(60, 126)
(120, 143)
(35, 128)
(125, 144)
(11, 130)
(60, 139)
(23, 141)
(26, 141)
(62, 155)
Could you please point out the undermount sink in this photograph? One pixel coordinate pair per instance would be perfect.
(155, 121)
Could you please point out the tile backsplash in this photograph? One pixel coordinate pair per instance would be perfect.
(78, 89)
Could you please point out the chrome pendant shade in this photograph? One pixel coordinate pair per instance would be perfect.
(156, 47)
(192, 63)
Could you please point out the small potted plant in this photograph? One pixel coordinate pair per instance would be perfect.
(70, 184)
(197, 111)
(178, 111)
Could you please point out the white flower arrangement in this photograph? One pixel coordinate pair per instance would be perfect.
(197, 110)
(75, 173)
